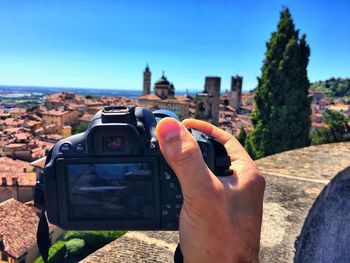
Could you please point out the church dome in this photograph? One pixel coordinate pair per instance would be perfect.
(162, 81)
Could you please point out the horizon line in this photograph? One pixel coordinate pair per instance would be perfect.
(101, 88)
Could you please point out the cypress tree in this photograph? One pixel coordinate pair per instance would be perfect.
(281, 116)
(242, 136)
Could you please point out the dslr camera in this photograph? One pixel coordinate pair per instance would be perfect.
(113, 175)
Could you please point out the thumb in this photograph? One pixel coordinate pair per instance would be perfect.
(180, 149)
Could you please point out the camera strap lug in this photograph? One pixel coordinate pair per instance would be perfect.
(178, 257)
(42, 234)
(39, 201)
(43, 237)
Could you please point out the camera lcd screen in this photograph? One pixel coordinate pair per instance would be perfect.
(110, 191)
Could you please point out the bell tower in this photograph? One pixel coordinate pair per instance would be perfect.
(212, 86)
(236, 91)
(147, 81)
(208, 101)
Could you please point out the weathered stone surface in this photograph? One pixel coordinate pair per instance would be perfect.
(286, 204)
(146, 246)
(315, 162)
(326, 231)
(293, 181)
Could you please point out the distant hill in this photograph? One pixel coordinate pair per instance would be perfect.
(333, 87)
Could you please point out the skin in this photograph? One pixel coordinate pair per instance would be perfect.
(220, 220)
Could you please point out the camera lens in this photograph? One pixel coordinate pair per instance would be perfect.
(114, 143)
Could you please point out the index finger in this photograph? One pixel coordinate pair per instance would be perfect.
(234, 149)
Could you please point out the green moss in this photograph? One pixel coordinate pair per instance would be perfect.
(75, 246)
(56, 253)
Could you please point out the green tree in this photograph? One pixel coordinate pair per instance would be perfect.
(90, 97)
(80, 128)
(242, 136)
(337, 131)
(249, 146)
(179, 114)
(281, 117)
(320, 136)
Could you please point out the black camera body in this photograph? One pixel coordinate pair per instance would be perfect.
(114, 177)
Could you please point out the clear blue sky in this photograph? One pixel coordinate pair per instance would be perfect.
(106, 44)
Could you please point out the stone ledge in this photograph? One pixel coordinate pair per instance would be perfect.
(136, 246)
(315, 162)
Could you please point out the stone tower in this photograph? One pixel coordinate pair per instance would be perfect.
(212, 87)
(147, 81)
(203, 103)
(208, 101)
(236, 91)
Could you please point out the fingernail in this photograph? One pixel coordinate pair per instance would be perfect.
(168, 129)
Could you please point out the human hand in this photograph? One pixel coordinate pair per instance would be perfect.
(220, 220)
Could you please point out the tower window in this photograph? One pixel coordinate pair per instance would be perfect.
(201, 107)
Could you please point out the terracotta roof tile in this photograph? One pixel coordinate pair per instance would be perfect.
(183, 98)
(16, 219)
(10, 121)
(319, 125)
(21, 170)
(150, 97)
(33, 123)
(55, 112)
(23, 136)
(18, 110)
(12, 130)
(86, 117)
(15, 145)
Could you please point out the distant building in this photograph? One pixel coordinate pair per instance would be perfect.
(86, 118)
(233, 98)
(317, 117)
(62, 120)
(147, 81)
(179, 105)
(203, 101)
(208, 102)
(17, 180)
(236, 91)
(22, 151)
(164, 96)
(164, 89)
(342, 108)
(316, 96)
(247, 98)
(17, 112)
(63, 98)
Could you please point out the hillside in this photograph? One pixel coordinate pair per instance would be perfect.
(333, 87)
